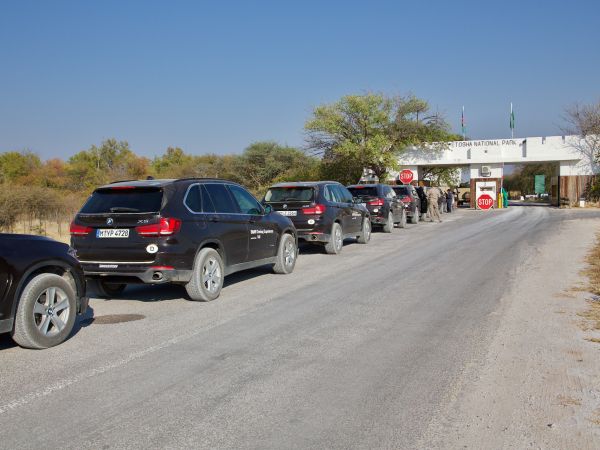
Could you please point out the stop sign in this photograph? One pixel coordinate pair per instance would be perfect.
(406, 176)
(485, 201)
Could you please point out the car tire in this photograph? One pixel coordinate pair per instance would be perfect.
(415, 218)
(336, 242)
(286, 255)
(45, 313)
(365, 236)
(389, 225)
(108, 290)
(402, 223)
(207, 276)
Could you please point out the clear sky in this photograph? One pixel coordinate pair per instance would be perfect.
(214, 76)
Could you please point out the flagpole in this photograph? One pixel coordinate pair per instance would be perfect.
(512, 122)
(462, 123)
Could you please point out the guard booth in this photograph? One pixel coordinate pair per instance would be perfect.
(486, 187)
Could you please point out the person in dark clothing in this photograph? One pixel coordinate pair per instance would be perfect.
(423, 201)
(449, 200)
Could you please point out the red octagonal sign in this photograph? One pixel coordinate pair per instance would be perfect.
(485, 201)
(406, 176)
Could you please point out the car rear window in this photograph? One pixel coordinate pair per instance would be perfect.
(290, 194)
(367, 191)
(124, 200)
(402, 190)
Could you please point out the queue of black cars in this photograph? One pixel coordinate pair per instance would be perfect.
(191, 232)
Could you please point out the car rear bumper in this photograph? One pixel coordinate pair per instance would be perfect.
(143, 274)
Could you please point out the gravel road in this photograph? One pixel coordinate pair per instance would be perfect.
(360, 350)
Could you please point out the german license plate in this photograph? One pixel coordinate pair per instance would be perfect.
(288, 213)
(112, 233)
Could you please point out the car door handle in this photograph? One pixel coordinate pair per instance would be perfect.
(251, 221)
(214, 219)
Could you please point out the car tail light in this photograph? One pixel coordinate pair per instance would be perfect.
(79, 230)
(377, 202)
(165, 227)
(122, 188)
(405, 199)
(317, 209)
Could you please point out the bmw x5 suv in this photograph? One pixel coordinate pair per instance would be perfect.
(192, 232)
(385, 207)
(323, 212)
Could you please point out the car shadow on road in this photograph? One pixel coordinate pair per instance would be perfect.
(166, 292)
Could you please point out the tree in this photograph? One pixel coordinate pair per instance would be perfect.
(113, 160)
(262, 163)
(15, 165)
(584, 121)
(354, 133)
(371, 131)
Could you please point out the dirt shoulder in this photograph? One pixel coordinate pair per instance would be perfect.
(539, 385)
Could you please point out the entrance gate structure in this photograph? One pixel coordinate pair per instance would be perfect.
(485, 160)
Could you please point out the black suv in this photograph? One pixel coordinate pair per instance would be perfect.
(322, 211)
(190, 231)
(385, 207)
(409, 196)
(42, 289)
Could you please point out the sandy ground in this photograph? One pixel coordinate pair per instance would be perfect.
(539, 385)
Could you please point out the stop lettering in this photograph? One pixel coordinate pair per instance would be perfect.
(485, 201)
(406, 176)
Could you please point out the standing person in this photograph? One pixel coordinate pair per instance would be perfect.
(422, 202)
(441, 200)
(433, 197)
(449, 200)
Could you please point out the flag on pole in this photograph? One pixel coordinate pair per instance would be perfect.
(462, 123)
(512, 121)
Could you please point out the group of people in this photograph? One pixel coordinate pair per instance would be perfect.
(434, 201)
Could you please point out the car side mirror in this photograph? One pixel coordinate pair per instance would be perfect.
(268, 209)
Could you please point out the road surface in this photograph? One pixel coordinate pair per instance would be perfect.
(358, 350)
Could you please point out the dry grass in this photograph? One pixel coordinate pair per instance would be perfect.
(563, 400)
(592, 272)
(595, 419)
(593, 269)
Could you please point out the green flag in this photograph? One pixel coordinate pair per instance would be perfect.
(512, 118)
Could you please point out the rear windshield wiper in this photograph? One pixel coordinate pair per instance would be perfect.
(117, 209)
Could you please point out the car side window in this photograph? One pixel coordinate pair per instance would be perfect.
(207, 203)
(389, 192)
(193, 199)
(328, 193)
(246, 202)
(221, 198)
(344, 194)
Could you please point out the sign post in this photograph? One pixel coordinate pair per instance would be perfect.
(406, 176)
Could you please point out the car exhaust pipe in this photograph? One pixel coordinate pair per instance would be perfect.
(157, 276)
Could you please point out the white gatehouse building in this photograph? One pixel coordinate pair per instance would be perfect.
(484, 160)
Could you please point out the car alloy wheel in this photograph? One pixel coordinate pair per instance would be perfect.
(289, 253)
(211, 275)
(51, 311)
(339, 241)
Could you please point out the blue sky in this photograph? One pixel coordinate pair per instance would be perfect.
(216, 76)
